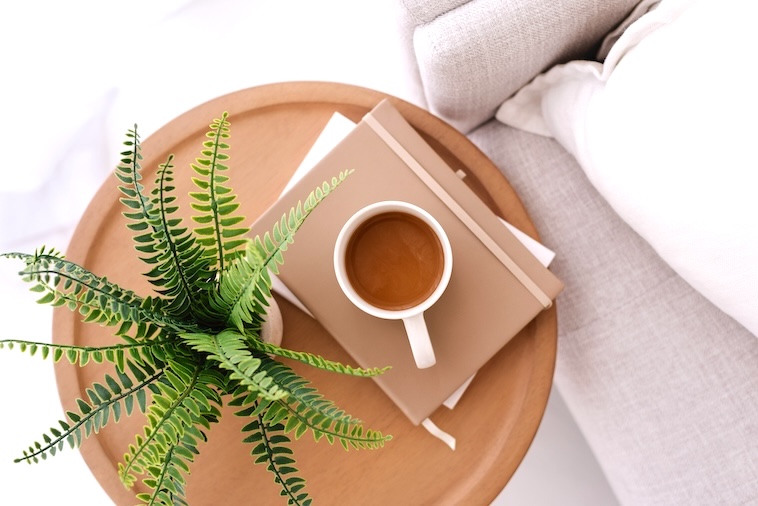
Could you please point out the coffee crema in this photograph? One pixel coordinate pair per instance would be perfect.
(394, 261)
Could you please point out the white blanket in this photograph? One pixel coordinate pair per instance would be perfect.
(666, 130)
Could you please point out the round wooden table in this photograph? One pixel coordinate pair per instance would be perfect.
(273, 127)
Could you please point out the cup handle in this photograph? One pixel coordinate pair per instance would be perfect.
(418, 337)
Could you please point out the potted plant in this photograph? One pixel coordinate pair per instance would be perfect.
(195, 344)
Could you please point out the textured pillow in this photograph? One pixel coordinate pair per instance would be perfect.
(472, 55)
(666, 130)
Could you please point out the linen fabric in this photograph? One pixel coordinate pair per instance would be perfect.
(661, 382)
(668, 139)
(471, 56)
(422, 11)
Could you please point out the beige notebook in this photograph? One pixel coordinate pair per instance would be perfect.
(497, 285)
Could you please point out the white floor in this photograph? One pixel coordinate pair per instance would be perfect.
(559, 469)
(75, 90)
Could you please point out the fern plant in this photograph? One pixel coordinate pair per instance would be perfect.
(195, 344)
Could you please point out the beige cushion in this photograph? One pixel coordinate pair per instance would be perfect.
(471, 56)
(424, 11)
(661, 382)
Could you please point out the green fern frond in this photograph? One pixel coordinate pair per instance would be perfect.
(106, 401)
(128, 172)
(306, 409)
(316, 361)
(219, 233)
(180, 403)
(65, 283)
(170, 251)
(194, 343)
(142, 352)
(300, 419)
(179, 269)
(168, 479)
(242, 293)
(229, 350)
(272, 449)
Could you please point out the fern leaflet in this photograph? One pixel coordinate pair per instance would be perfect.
(313, 360)
(176, 268)
(105, 401)
(143, 352)
(306, 409)
(167, 480)
(181, 402)
(272, 448)
(242, 294)
(228, 349)
(96, 298)
(215, 202)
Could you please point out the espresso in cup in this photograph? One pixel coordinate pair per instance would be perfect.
(394, 261)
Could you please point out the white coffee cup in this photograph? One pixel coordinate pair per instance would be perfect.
(409, 243)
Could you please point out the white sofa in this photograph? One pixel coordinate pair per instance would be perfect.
(662, 382)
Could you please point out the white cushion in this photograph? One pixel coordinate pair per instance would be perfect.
(666, 130)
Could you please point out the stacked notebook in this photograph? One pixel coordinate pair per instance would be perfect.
(497, 285)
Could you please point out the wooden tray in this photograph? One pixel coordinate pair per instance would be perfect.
(273, 127)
